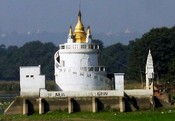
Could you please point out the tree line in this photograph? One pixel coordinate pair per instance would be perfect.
(129, 59)
(30, 54)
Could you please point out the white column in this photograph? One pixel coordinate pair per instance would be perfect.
(94, 105)
(70, 105)
(121, 104)
(119, 81)
(41, 106)
(24, 107)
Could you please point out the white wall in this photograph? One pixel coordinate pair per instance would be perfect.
(31, 81)
(119, 81)
(79, 60)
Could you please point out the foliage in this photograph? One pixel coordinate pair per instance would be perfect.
(161, 42)
(10, 87)
(129, 59)
(14, 86)
(114, 58)
(98, 42)
(33, 53)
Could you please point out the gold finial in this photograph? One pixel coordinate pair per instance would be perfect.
(80, 35)
(79, 15)
(88, 31)
(79, 27)
(70, 30)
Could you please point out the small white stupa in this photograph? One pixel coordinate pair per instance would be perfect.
(76, 62)
(149, 70)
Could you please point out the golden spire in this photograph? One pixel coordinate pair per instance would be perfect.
(70, 31)
(88, 31)
(80, 35)
(79, 27)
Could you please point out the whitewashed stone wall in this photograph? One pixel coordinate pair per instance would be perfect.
(119, 81)
(31, 81)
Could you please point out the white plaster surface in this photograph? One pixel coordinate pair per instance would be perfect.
(99, 93)
(119, 81)
(139, 92)
(31, 81)
(149, 70)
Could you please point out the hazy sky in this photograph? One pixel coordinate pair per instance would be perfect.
(102, 15)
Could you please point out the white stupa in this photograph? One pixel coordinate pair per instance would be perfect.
(149, 70)
(76, 63)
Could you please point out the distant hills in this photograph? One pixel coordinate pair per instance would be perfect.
(20, 39)
(111, 38)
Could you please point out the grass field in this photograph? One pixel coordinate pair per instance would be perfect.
(158, 115)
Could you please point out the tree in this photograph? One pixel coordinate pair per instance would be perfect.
(36, 53)
(30, 54)
(114, 58)
(98, 42)
(161, 41)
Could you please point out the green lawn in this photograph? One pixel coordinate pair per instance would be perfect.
(158, 115)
